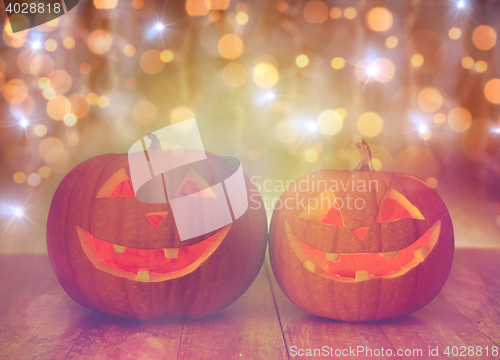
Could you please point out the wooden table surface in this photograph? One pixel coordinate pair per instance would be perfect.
(39, 321)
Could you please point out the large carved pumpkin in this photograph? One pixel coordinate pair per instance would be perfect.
(124, 257)
(362, 245)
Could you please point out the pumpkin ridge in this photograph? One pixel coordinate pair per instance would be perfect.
(68, 201)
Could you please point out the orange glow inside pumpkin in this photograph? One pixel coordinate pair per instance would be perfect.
(156, 218)
(193, 184)
(395, 206)
(148, 264)
(118, 185)
(323, 208)
(363, 266)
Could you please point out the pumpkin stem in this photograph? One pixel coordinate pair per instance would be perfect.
(155, 143)
(366, 157)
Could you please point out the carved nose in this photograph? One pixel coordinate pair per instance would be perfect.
(361, 232)
(155, 218)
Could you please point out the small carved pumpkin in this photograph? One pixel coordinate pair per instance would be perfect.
(361, 245)
(124, 257)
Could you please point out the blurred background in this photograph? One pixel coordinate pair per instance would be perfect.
(288, 87)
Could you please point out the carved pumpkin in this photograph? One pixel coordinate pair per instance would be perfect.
(361, 245)
(124, 257)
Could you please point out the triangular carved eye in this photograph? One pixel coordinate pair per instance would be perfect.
(395, 206)
(323, 209)
(118, 185)
(193, 184)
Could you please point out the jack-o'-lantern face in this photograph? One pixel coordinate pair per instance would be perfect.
(361, 245)
(116, 254)
(394, 211)
(143, 263)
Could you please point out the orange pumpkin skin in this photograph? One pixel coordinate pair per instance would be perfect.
(214, 283)
(320, 290)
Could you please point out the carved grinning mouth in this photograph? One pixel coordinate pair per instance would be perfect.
(148, 265)
(357, 267)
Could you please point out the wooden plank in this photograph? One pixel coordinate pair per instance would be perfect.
(247, 329)
(109, 337)
(303, 331)
(437, 325)
(474, 288)
(465, 313)
(38, 320)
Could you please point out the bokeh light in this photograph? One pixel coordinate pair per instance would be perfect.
(105, 4)
(44, 172)
(391, 42)
(99, 41)
(241, 18)
(439, 118)
(281, 5)
(370, 124)
(79, 105)
(335, 13)
(459, 119)
(481, 66)
(217, 4)
(69, 42)
(302, 60)
(315, 12)
(70, 120)
(180, 114)
(430, 100)
(492, 91)
(230, 46)
(337, 62)
(214, 15)
(34, 179)
(40, 130)
(379, 19)
(265, 75)
(454, 33)
(166, 56)
(417, 60)
(350, 13)
(151, 62)
(197, 7)
(432, 182)
(50, 45)
(467, 62)
(330, 122)
(58, 107)
(85, 68)
(129, 50)
(311, 156)
(484, 37)
(19, 177)
(60, 81)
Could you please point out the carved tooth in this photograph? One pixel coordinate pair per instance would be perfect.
(362, 275)
(332, 256)
(143, 275)
(310, 266)
(390, 254)
(119, 248)
(421, 253)
(171, 253)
